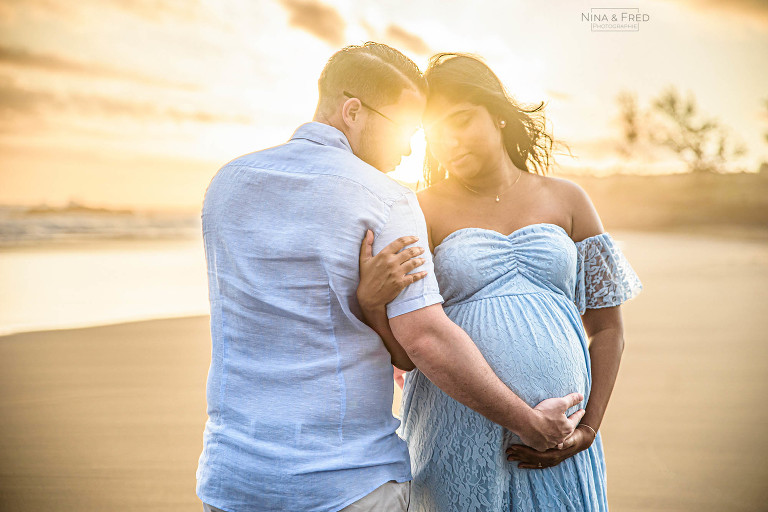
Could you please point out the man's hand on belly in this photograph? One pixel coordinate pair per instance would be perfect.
(551, 427)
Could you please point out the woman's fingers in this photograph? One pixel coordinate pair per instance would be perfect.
(569, 442)
(391, 266)
(366, 248)
(410, 279)
(532, 460)
(528, 458)
(397, 245)
(415, 277)
(407, 254)
(530, 466)
(411, 264)
(546, 462)
(522, 453)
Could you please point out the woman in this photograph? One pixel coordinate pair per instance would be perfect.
(518, 257)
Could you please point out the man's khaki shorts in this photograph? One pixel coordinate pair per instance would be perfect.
(390, 497)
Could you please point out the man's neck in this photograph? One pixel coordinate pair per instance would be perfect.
(319, 117)
(322, 118)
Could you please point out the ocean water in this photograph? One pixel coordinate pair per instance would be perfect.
(101, 283)
(30, 226)
(91, 268)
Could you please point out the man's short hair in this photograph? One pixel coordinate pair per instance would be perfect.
(374, 72)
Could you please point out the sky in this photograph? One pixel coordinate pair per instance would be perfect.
(137, 103)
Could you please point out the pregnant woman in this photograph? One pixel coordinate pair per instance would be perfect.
(528, 272)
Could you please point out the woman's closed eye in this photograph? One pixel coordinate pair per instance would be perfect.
(457, 122)
(460, 121)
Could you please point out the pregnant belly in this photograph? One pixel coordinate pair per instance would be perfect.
(533, 342)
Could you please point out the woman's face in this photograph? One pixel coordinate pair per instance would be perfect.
(463, 137)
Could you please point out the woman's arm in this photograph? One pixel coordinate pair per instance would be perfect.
(382, 278)
(377, 320)
(604, 326)
(606, 344)
(605, 331)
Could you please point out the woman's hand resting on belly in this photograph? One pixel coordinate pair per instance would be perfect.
(580, 440)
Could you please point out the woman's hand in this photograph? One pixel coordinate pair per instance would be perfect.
(581, 439)
(383, 277)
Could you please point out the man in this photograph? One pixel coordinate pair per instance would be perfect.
(300, 389)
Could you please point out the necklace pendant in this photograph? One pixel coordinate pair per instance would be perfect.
(497, 199)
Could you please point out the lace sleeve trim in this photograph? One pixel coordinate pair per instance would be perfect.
(604, 277)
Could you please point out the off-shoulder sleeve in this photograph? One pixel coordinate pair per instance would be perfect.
(604, 277)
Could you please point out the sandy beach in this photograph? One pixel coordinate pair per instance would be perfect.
(111, 418)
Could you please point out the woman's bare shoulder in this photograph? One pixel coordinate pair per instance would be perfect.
(585, 221)
(431, 195)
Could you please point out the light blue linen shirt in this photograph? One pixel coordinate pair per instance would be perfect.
(299, 388)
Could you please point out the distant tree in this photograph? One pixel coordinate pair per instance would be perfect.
(629, 118)
(702, 143)
(765, 114)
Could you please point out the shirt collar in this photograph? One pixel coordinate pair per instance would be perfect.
(322, 133)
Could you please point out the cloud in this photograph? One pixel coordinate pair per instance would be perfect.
(558, 95)
(752, 10)
(320, 20)
(54, 63)
(86, 10)
(11, 9)
(19, 101)
(411, 42)
(157, 10)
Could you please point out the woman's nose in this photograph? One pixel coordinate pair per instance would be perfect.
(448, 139)
(445, 141)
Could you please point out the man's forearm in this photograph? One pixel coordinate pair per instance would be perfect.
(446, 355)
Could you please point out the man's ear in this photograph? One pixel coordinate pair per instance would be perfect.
(351, 111)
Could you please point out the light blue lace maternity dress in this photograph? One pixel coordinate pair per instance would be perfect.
(520, 298)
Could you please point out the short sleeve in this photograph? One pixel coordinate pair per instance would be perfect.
(407, 219)
(604, 277)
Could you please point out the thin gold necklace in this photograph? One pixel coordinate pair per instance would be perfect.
(498, 198)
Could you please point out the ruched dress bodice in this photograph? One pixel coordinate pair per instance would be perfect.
(519, 297)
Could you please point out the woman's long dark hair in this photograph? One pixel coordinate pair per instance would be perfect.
(461, 77)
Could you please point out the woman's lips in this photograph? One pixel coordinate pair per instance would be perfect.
(459, 159)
